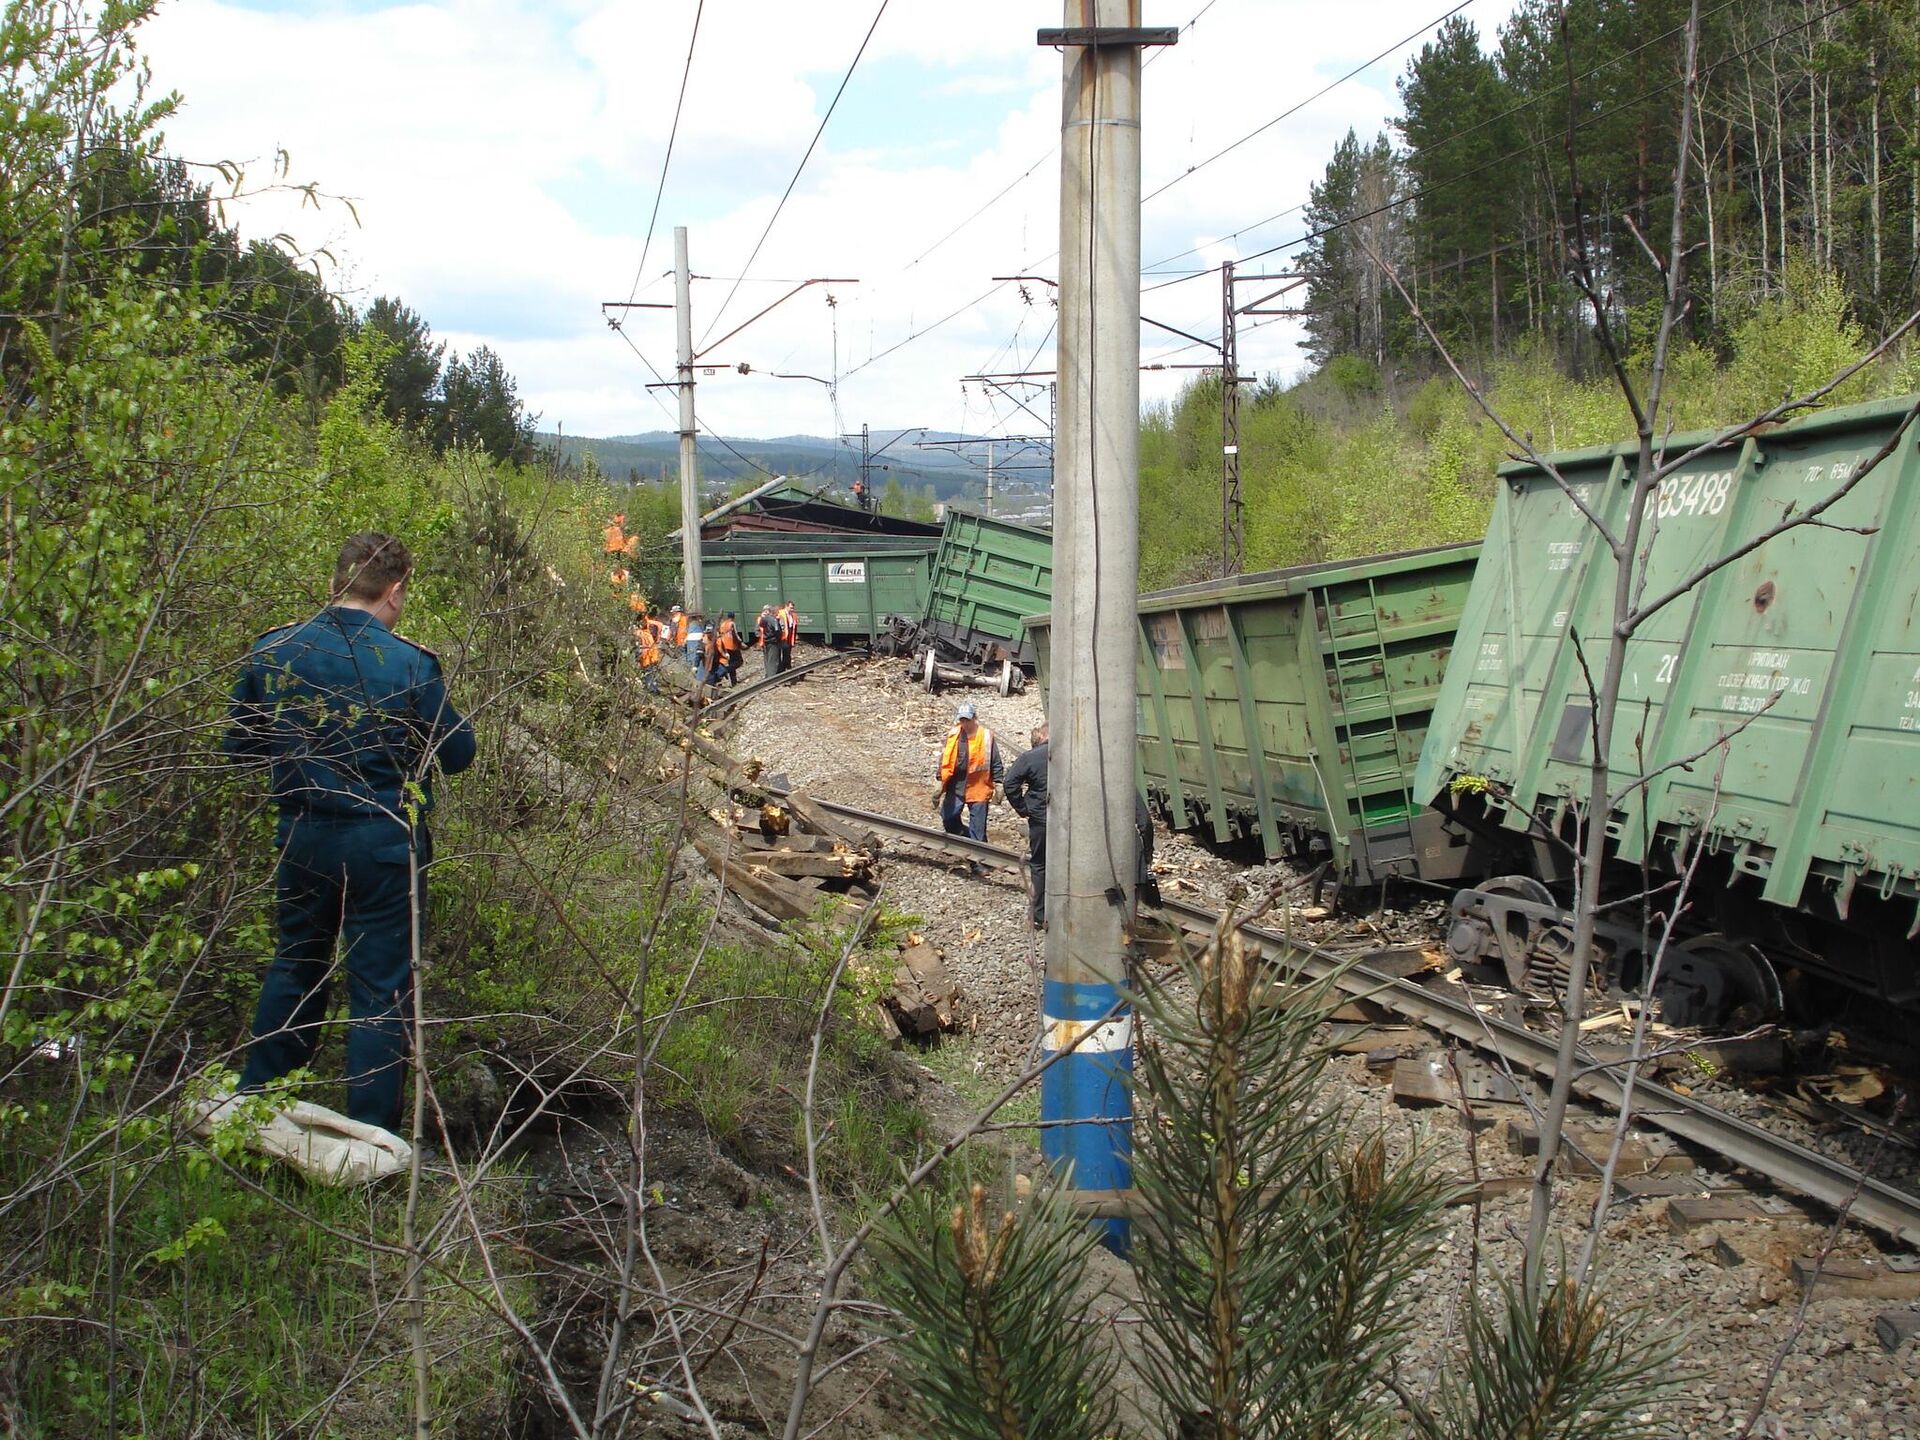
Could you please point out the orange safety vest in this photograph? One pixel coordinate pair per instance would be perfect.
(729, 637)
(680, 628)
(789, 624)
(649, 645)
(616, 538)
(637, 603)
(617, 577)
(979, 778)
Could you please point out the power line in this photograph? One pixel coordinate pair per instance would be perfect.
(1052, 153)
(719, 439)
(1297, 108)
(667, 159)
(1457, 135)
(1502, 247)
(980, 299)
(797, 171)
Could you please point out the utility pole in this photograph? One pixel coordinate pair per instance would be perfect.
(1085, 1099)
(989, 479)
(689, 455)
(1233, 510)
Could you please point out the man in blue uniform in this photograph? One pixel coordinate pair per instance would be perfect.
(352, 719)
(1026, 787)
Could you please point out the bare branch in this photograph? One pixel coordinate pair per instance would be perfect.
(1524, 447)
(1792, 521)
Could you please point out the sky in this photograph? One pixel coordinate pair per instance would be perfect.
(494, 164)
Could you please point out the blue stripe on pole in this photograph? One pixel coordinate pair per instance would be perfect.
(1091, 1084)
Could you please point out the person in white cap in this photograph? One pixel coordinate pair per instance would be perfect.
(970, 773)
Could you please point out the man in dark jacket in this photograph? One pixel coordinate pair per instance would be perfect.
(351, 718)
(1026, 787)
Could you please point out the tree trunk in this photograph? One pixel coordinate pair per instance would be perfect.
(1873, 173)
(1760, 186)
(1826, 125)
(1706, 195)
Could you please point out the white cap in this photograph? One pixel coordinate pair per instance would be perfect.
(966, 711)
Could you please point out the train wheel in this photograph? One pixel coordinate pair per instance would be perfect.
(1006, 679)
(1517, 932)
(1716, 982)
(930, 673)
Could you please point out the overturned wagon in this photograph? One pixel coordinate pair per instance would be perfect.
(1773, 709)
(1290, 707)
(988, 575)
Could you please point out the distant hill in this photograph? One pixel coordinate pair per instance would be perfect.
(947, 473)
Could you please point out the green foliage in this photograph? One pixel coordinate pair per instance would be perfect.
(992, 1313)
(1347, 463)
(1570, 1370)
(1277, 1248)
(411, 381)
(226, 1287)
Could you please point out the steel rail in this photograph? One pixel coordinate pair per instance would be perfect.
(760, 687)
(1781, 1162)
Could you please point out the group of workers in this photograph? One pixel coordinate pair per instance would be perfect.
(713, 651)
(972, 775)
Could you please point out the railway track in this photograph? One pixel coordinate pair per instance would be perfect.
(734, 696)
(1783, 1163)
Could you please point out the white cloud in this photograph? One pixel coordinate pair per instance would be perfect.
(502, 155)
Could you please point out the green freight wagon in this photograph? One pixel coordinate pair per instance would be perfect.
(987, 576)
(1290, 707)
(847, 587)
(1774, 708)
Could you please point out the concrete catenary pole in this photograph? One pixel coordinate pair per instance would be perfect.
(689, 459)
(1096, 541)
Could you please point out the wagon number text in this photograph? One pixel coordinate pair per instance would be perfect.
(1695, 495)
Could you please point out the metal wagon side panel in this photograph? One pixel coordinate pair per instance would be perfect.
(1290, 707)
(845, 586)
(1776, 704)
(987, 576)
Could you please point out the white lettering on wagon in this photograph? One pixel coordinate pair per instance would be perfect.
(1751, 690)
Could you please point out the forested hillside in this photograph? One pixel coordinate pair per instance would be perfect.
(189, 427)
(1517, 158)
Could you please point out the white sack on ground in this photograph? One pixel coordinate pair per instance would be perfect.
(321, 1144)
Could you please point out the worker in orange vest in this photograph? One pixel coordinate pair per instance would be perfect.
(766, 635)
(970, 774)
(646, 637)
(789, 633)
(616, 536)
(730, 648)
(677, 624)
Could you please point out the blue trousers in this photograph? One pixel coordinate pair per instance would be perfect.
(346, 886)
(953, 808)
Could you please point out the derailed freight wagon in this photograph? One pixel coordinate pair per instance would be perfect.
(848, 588)
(988, 576)
(1289, 707)
(1774, 708)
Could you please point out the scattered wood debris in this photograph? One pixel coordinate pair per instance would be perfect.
(924, 994)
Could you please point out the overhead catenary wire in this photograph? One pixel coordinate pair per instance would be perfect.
(1052, 154)
(1006, 190)
(666, 160)
(1297, 107)
(798, 170)
(718, 439)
